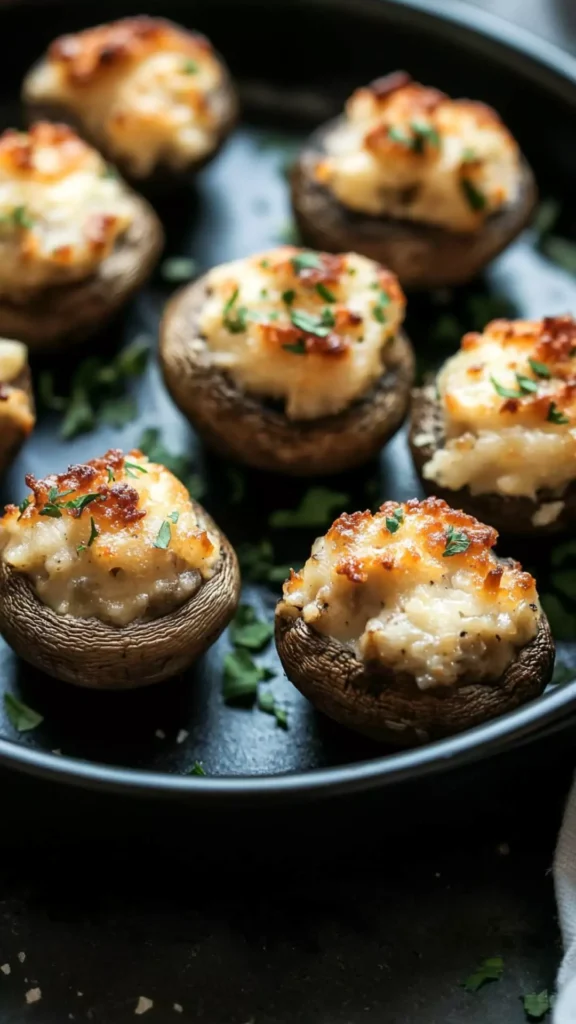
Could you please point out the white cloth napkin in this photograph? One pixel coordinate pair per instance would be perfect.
(565, 885)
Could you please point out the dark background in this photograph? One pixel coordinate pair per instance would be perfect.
(370, 909)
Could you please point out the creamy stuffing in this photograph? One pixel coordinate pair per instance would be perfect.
(145, 89)
(61, 209)
(407, 151)
(417, 589)
(117, 538)
(16, 416)
(508, 401)
(312, 329)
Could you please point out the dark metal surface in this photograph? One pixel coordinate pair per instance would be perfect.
(240, 205)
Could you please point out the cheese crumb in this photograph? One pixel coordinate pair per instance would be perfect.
(34, 995)
(5, 968)
(144, 1004)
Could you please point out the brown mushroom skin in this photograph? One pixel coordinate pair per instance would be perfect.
(421, 255)
(243, 427)
(390, 707)
(508, 514)
(12, 437)
(60, 316)
(164, 177)
(93, 654)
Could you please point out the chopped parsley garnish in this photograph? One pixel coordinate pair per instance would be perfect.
(191, 67)
(394, 522)
(382, 301)
(111, 477)
(23, 506)
(315, 509)
(424, 133)
(306, 261)
(55, 503)
(401, 136)
(267, 703)
(163, 535)
(325, 293)
(288, 296)
(91, 538)
(237, 324)
(504, 392)
(537, 1004)
(247, 630)
(173, 516)
(526, 384)
(555, 415)
(491, 969)
(21, 217)
(20, 716)
(312, 324)
(196, 769)
(474, 197)
(241, 676)
(131, 466)
(456, 542)
(298, 348)
(540, 369)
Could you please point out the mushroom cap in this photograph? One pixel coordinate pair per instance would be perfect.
(96, 655)
(164, 177)
(390, 707)
(246, 428)
(12, 436)
(62, 315)
(507, 513)
(421, 255)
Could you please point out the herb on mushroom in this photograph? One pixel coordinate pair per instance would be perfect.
(238, 323)
(474, 197)
(163, 536)
(325, 293)
(312, 324)
(23, 506)
(456, 542)
(191, 67)
(306, 261)
(540, 369)
(132, 469)
(381, 303)
(394, 522)
(91, 538)
(555, 415)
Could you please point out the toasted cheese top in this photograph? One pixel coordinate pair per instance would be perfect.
(61, 209)
(15, 407)
(117, 538)
(508, 399)
(408, 151)
(310, 328)
(417, 588)
(147, 90)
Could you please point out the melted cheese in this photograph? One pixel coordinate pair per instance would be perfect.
(510, 445)
(16, 416)
(61, 211)
(387, 586)
(309, 328)
(410, 152)
(103, 560)
(147, 90)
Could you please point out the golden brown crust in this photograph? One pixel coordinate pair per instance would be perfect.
(391, 708)
(243, 427)
(422, 255)
(63, 315)
(508, 514)
(12, 435)
(90, 653)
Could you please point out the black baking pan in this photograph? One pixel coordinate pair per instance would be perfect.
(295, 63)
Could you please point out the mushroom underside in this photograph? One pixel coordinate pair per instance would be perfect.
(509, 514)
(422, 255)
(95, 655)
(391, 708)
(61, 315)
(243, 427)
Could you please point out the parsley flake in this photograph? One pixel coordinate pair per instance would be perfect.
(190, 67)
(381, 303)
(311, 324)
(526, 384)
(247, 630)
(288, 296)
(491, 969)
(474, 197)
(20, 716)
(241, 676)
(111, 477)
(23, 506)
(400, 136)
(325, 293)
(537, 1004)
(540, 369)
(394, 522)
(424, 133)
(130, 467)
(173, 516)
(22, 218)
(196, 769)
(163, 536)
(306, 261)
(503, 391)
(91, 538)
(298, 348)
(456, 542)
(267, 703)
(555, 415)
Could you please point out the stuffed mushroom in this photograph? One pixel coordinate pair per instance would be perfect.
(111, 576)
(75, 241)
(17, 417)
(291, 360)
(496, 433)
(405, 626)
(153, 97)
(432, 187)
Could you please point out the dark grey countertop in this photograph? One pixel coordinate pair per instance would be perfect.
(374, 912)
